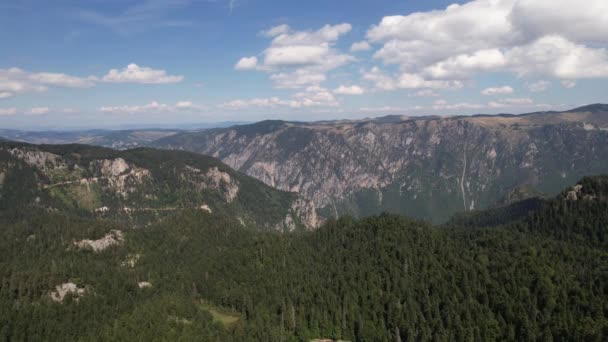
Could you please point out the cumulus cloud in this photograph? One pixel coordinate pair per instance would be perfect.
(497, 91)
(16, 81)
(153, 107)
(462, 66)
(382, 81)
(8, 111)
(299, 59)
(313, 96)
(502, 103)
(133, 73)
(349, 90)
(360, 46)
(247, 63)
(498, 35)
(556, 56)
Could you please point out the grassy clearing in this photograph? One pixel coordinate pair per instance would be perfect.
(226, 317)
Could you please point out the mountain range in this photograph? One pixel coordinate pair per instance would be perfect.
(425, 167)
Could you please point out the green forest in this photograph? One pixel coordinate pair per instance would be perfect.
(536, 271)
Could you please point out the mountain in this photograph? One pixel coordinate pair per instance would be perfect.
(539, 275)
(139, 186)
(424, 167)
(120, 139)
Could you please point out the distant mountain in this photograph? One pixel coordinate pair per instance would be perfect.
(117, 139)
(425, 167)
(139, 186)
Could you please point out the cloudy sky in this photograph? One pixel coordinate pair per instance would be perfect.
(111, 63)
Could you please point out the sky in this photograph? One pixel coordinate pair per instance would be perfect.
(68, 64)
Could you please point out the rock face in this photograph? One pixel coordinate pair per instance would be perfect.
(61, 291)
(113, 238)
(424, 167)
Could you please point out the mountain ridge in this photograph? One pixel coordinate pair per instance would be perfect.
(365, 167)
(140, 185)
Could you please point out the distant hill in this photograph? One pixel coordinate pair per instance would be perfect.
(139, 186)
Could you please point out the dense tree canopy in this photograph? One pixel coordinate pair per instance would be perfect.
(540, 276)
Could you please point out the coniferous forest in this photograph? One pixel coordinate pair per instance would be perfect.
(535, 271)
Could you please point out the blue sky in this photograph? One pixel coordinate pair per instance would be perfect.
(111, 63)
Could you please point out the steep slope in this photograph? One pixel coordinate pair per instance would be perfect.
(385, 278)
(426, 167)
(139, 186)
(578, 214)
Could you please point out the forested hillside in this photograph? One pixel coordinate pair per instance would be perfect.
(139, 186)
(543, 275)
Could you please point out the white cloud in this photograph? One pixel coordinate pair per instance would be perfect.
(313, 96)
(8, 111)
(299, 59)
(413, 81)
(389, 109)
(39, 111)
(502, 103)
(133, 73)
(298, 78)
(444, 105)
(16, 81)
(498, 35)
(568, 84)
(462, 66)
(556, 56)
(360, 46)
(538, 86)
(153, 107)
(352, 90)
(247, 63)
(514, 103)
(497, 91)
(382, 81)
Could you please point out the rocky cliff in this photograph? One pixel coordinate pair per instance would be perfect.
(426, 167)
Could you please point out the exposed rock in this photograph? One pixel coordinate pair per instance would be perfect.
(144, 284)
(220, 180)
(113, 238)
(61, 291)
(102, 210)
(573, 194)
(306, 212)
(114, 167)
(37, 158)
(206, 208)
